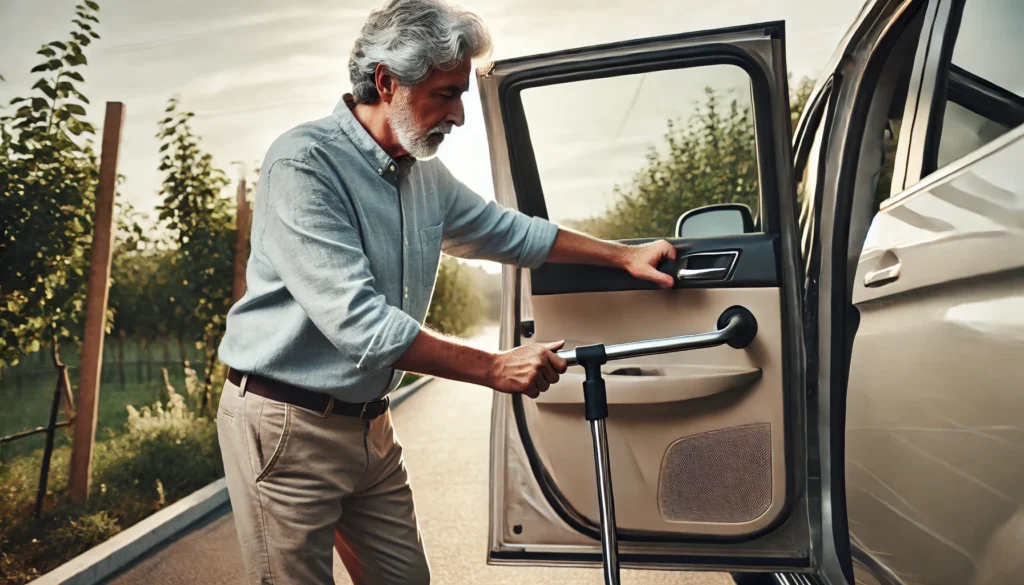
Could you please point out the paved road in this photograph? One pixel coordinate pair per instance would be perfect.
(445, 431)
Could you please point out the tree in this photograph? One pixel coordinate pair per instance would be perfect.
(48, 175)
(203, 228)
(710, 159)
(798, 96)
(707, 159)
(456, 306)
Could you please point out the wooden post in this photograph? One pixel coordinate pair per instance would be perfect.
(98, 290)
(242, 219)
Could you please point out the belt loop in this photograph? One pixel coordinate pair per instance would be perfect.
(330, 407)
(241, 387)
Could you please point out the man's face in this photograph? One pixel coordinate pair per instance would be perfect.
(422, 115)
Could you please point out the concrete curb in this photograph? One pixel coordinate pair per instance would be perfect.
(103, 560)
(127, 546)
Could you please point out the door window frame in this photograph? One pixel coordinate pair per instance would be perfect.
(525, 175)
(853, 93)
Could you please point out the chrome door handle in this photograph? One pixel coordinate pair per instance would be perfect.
(700, 273)
(711, 272)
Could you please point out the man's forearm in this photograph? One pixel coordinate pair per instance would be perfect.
(434, 354)
(572, 247)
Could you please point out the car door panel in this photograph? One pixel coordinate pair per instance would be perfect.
(641, 435)
(706, 446)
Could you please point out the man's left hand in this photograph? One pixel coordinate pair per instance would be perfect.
(642, 262)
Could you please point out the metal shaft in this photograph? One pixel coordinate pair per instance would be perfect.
(606, 502)
(667, 345)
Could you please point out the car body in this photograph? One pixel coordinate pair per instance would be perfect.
(871, 432)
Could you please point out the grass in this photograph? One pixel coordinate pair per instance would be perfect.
(27, 389)
(408, 379)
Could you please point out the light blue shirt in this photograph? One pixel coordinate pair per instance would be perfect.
(345, 248)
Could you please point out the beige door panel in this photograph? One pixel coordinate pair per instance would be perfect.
(705, 457)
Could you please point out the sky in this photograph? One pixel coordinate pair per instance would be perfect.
(251, 69)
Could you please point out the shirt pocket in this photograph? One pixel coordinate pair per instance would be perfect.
(430, 253)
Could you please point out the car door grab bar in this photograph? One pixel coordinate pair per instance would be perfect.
(737, 327)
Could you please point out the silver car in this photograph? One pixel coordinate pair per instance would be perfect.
(871, 432)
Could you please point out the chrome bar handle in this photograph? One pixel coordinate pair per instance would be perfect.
(736, 326)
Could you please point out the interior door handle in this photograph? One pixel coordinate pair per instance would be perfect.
(888, 271)
(701, 273)
(707, 265)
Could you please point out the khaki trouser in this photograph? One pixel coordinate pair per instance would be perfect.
(301, 484)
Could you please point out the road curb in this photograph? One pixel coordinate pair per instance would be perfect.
(127, 546)
(108, 557)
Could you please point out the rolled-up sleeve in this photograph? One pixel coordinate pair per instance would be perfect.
(484, 230)
(312, 243)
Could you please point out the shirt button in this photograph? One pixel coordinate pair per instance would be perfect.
(392, 167)
(380, 171)
(406, 292)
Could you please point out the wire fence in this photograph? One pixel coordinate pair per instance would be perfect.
(126, 361)
(40, 385)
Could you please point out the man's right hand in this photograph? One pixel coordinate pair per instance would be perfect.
(530, 369)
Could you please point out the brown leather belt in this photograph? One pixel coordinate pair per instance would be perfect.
(322, 403)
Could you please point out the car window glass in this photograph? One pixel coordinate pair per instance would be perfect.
(985, 87)
(625, 157)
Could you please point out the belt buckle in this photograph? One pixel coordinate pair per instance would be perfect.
(381, 406)
(330, 407)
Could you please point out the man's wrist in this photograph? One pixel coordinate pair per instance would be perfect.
(487, 375)
(619, 255)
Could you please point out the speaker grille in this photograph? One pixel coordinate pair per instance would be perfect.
(722, 476)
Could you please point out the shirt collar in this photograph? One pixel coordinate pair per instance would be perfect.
(390, 169)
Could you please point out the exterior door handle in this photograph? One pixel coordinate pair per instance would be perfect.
(701, 273)
(888, 271)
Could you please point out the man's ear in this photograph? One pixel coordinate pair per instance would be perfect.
(386, 83)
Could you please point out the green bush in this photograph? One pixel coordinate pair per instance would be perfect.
(164, 453)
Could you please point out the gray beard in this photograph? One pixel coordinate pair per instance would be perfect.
(414, 141)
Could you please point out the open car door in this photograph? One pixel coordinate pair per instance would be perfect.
(708, 447)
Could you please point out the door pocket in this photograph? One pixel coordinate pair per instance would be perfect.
(430, 252)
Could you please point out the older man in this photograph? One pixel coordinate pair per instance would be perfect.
(352, 214)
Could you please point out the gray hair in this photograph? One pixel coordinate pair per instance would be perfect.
(412, 38)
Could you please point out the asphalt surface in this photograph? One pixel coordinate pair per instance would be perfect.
(444, 429)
